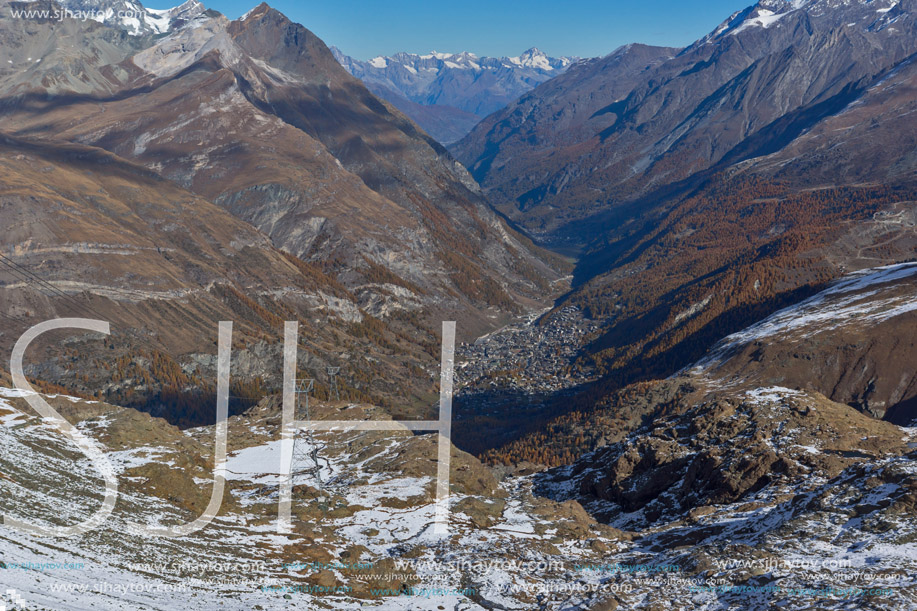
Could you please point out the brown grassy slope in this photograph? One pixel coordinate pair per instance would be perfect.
(163, 266)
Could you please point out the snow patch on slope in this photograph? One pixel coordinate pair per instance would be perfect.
(859, 298)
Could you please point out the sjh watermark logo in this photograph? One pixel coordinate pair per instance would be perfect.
(13, 598)
(95, 453)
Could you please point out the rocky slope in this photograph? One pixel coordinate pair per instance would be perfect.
(750, 498)
(448, 93)
(110, 240)
(361, 538)
(851, 342)
(722, 450)
(773, 497)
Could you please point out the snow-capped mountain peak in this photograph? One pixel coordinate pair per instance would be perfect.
(132, 16)
(868, 14)
(533, 58)
(448, 93)
(378, 62)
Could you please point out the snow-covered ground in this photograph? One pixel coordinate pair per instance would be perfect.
(239, 561)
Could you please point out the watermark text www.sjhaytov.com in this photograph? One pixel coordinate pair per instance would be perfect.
(60, 14)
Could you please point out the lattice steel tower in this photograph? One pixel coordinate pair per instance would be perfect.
(333, 374)
(305, 450)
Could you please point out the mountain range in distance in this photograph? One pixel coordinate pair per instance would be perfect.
(447, 94)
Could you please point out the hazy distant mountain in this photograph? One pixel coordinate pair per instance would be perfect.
(456, 90)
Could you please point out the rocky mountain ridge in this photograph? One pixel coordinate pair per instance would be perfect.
(129, 15)
(750, 88)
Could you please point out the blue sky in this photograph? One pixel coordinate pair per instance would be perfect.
(366, 28)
